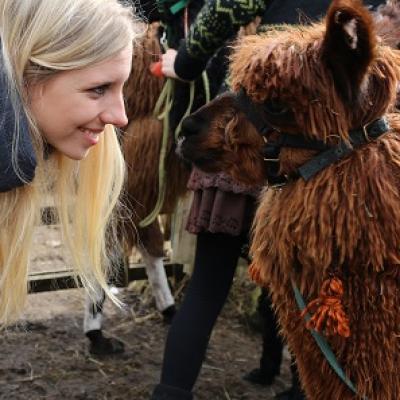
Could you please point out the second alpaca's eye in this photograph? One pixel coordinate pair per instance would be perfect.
(275, 107)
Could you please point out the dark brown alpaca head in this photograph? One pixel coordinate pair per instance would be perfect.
(318, 81)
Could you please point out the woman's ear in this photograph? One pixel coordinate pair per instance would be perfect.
(349, 45)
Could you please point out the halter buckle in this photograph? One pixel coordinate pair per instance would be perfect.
(278, 186)
(365, 131)
(272, 159)
(163, 39)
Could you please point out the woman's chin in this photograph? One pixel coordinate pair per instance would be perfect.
(75, 154)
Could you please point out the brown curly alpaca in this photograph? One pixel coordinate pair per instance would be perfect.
(142, 88)
(387, 20)
(336, 235)
(141, 145)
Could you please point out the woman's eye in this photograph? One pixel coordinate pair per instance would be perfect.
(275, 107)
(99, 90)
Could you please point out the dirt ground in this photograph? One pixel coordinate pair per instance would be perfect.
(45, 356)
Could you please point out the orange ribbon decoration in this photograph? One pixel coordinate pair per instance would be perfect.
(327, 310)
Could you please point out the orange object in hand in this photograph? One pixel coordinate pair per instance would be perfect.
(156, 69)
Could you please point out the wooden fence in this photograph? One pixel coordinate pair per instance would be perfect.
(63, 279)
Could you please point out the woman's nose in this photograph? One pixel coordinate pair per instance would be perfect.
(115, 113)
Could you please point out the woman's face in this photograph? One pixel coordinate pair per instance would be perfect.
(72, 108)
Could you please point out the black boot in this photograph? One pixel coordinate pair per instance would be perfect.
(103, 346)
(295, 392)
(260, 377)
(166, 392)
(272, 346)
(168, 314)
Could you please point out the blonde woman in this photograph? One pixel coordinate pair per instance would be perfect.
(63, 64)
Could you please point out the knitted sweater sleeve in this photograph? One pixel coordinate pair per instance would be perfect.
(216, 22)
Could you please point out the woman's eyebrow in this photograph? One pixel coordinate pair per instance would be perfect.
(108, 82)
(100, 83)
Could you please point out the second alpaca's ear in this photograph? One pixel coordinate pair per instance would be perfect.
(349, 45)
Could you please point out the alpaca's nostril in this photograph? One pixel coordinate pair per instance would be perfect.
(191, 126)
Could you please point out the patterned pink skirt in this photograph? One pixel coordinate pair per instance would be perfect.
(220, 204)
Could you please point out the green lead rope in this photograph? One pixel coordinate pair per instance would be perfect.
(164, 103)
(165, 100)
(206, 85)
(323, 345)
(188, 109)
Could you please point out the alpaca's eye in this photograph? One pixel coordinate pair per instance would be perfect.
(275, 107)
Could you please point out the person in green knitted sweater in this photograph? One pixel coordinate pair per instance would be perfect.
(217, 22)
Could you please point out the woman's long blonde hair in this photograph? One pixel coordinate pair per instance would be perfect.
(39, 39)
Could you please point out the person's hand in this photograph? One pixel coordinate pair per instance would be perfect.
(168, 61)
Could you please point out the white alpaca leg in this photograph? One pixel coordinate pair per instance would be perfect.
(158, 280)
(94, 311)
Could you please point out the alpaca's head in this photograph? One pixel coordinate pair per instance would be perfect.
(218, 137)
(317, 81)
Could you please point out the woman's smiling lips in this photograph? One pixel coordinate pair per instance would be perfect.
(92, 135)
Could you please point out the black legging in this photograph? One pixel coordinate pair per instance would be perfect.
(272, 348)
(215, 263)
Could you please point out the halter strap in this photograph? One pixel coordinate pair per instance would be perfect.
(252, 111)
(328, 155)
(358, 137)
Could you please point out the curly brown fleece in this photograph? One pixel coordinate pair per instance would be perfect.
(387, 19)
(343, 225)
(141, 145)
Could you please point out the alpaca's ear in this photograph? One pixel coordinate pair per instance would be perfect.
(349, 45)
